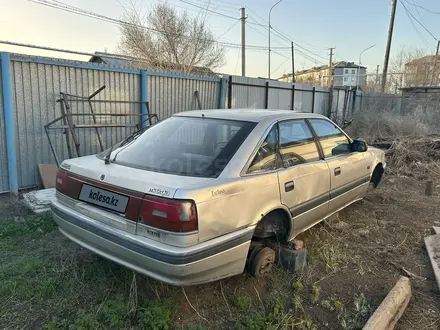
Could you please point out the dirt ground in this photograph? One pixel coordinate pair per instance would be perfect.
(11, 208)
(353, 262)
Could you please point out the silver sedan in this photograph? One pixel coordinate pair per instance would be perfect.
(183, 200)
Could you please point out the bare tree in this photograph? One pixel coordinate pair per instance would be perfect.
(168, 39)
(409, 67)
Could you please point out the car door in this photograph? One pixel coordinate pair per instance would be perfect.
(348, 170)
(304, 178)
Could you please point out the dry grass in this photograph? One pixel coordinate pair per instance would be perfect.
(410, 149)
(374, 126)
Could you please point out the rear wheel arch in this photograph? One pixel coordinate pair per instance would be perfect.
(275, 224)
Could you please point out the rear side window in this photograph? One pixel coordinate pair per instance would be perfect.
(265, 158)
(297, 145)
(329, 136)
(185, 146)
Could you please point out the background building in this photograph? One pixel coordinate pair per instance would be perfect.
(422, 71)
(345, 74)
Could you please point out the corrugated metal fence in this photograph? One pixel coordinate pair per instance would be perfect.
(36, 84)
(244, 92)
(36, 87)
(173, 94)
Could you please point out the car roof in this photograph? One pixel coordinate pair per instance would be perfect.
(253, 115)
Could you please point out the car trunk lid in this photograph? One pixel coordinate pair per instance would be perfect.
(112, 192)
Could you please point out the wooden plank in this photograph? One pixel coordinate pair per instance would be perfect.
(392, 307)
(432, 244)
(48, 173)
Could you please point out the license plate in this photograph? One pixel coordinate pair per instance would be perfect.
(103, 198)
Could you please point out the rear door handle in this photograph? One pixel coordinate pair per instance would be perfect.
(289, 186)
(337, 171)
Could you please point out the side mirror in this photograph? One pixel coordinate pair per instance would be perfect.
(359, 146)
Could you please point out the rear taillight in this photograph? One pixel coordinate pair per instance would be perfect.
(169, 214)
(62, 185)
(67, 185)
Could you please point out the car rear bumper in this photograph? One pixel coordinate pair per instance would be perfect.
(205, 262)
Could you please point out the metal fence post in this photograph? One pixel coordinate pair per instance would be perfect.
(353, 108)
(267, 96)
(144, 98)
(230, 93)
(292, 106)
(221, 96)
(337, 102)
(313, 99)
(9, 121)
(361, 102)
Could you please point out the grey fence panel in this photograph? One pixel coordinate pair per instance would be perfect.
(248, 96)
(4, 179)
(170, 95)
(251, 93)
(303, 98)
(280, 98)
(321, 100)
(36, 87)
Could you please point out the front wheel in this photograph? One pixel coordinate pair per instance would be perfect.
(377, 175)
(262, 262)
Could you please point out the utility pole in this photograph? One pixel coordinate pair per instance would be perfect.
(293, 63)
(433, 74)
(387, 52)
(330, 68)
(243, 42)
(330, 77)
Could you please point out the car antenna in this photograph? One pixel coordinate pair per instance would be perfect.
(107, 157)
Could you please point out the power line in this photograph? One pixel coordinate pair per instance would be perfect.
(262, 19)
(421, 24)
(264, 35)
(287, 38)
(236, 64)
(417, 31)
(59, 5)
(424, 8)
(258, 24)
(279, 54)
(281, 64)
(314, 60)
(417, 11)
(308, 57)
(208, 10)
(221, 35)
(222, 4)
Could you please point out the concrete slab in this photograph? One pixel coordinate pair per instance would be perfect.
(436, 229)
(432, 244)
(39, 200)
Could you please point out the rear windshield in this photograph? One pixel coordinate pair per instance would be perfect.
(185, 146)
